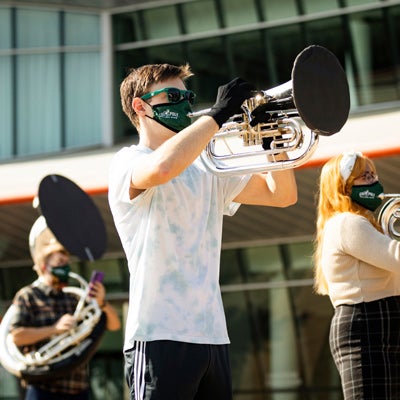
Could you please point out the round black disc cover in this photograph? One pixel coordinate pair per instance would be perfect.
(73, 217)
(320, 90)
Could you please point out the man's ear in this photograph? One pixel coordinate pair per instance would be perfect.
(139, 106)
(40, 269)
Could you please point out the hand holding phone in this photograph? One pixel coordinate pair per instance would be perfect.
(97, 276)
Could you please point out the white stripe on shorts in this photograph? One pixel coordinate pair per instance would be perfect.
(139, 369)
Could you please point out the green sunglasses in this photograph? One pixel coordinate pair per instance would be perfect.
(174, 95)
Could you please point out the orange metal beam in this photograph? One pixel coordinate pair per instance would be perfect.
(313, 163)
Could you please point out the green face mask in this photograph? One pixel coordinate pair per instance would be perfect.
(61, 272)
(173, 116)
(367, 195)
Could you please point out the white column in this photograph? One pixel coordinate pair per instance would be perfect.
(107, 55)
(283, 365)
(362, 53)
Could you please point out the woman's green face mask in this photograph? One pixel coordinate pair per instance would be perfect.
(367, 195)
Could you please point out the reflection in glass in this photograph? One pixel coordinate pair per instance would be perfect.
(28, 34)
(278, 327)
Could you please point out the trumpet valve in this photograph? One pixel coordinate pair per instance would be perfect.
(255, 101)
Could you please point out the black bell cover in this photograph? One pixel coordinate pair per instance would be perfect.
(320, 90)
(73, 217)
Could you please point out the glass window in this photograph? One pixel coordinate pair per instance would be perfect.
(38, 122)
(171, 53)
(81, 29)
(247, 328)
(358, 2)
(128, 27)
(209, 63)
(279, 343)
(330, 33)
(6, 108)
(5, 28)
(9, 385)
(394, 29)
(301, 259)
(234, 14)
(279, 9)
(313, 315)
(106, 372)
(250, 58)
(82, 99)
(284, 44)
(200, 16)
(374, 59)
(161, 22)
(279, 335)
(124, 61)
(12, 279)
(116, 274)
(28, 34)
(314, 6)
(263, 262)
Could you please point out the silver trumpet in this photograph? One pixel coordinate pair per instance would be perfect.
(389, 215)
(273, 121)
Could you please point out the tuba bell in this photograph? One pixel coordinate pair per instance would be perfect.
(76, 224)
(389, 215)
(274, 121)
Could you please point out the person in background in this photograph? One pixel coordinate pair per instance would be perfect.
(44, 310)
(168, 210)
(358, 266)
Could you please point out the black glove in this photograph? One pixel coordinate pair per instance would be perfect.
(229, 99)
(260, 115)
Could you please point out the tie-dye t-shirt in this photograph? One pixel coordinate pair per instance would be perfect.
(171, 235)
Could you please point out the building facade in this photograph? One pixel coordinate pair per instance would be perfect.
(60, 69)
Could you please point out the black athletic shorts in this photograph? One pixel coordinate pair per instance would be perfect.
(169, 370)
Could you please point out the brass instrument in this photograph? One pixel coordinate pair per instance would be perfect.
(272, 122)
(389, 215)
(76, 223)
(62, 352)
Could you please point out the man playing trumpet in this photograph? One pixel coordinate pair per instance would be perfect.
(168, 210)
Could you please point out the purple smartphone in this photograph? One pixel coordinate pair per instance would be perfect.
(97, 276)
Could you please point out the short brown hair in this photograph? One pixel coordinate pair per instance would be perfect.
(139, 80)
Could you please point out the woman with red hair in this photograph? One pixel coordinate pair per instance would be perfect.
(358, 266)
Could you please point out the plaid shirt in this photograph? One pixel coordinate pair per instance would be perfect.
(39, 305)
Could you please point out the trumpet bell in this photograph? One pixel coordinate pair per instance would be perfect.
(389, 218)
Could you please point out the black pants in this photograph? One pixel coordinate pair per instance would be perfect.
(163, 369)
(365, 344)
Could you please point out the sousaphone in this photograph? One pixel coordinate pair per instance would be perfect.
(77, 224)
